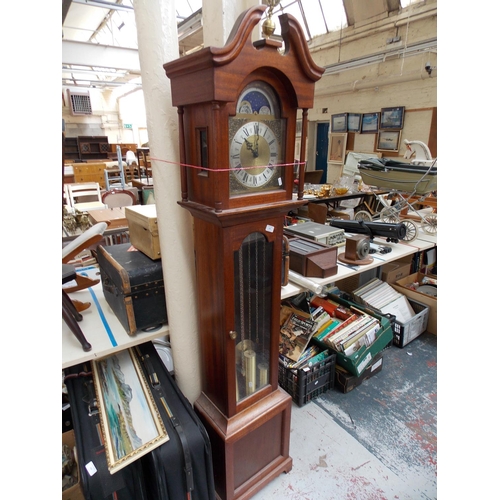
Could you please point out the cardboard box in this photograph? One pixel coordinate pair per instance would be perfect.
(75, 492)
(400, 286)
(396, 270)
(143, 229)
(346, 382)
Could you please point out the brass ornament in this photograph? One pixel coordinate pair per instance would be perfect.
(268, 26)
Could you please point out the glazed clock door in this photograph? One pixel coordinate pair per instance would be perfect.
(253, 265)
(256, 142)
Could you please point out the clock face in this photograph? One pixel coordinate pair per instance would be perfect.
(256, 141)
(253, 152)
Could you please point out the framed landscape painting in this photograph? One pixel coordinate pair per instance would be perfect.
(392, 118)
(388, 140)
(353, 122)
(339, 122)
(369, 123)
(131, 425)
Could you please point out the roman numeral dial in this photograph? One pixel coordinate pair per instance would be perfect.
(253, 151)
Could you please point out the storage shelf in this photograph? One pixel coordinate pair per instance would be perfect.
(401, 249)
(101, 327)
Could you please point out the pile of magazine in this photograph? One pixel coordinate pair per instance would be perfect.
(383, 297)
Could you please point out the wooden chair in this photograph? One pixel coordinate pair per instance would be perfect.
(84, 196)
(317, 212)
(70, 312)
(88, 238)
(117, 198)
(313, 176)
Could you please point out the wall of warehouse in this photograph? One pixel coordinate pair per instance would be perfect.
(397, 80)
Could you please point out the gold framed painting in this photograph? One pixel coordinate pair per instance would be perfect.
(337, 148)
(131, 424)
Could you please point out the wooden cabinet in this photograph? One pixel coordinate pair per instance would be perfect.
(90, 172)
(71, 151)
(86, 147)
(124, 147)
(93, 147)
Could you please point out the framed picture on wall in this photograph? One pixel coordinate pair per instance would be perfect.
(339, 122)
(369, 123)
(388, 140)
(337, 147)
(353, 122)
(392, 118)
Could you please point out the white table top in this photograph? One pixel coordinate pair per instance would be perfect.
(399, 250)
(101, 327)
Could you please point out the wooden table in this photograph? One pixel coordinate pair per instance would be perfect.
(114, 217)
(334, 201)
(142, 183)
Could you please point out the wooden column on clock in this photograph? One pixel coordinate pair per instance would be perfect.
(237, 114)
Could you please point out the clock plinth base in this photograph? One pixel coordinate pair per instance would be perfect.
(360, 262)
(250, 449)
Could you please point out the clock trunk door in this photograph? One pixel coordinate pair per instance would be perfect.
(253, 317)
(253, 262)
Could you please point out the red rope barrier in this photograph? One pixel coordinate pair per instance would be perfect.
(227, 169)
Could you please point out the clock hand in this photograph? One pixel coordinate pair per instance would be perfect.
(256, 141)
(249, 146)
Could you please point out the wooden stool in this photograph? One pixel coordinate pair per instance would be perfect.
(69, 312)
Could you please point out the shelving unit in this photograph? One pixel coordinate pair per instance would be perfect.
(101, 328)
(398, 251)
(71, 151)
(93, 147)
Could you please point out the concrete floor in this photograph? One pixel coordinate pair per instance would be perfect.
(377, 442)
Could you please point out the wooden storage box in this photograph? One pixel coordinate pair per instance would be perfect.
(312, 259)
(143, 229)
(113, 217)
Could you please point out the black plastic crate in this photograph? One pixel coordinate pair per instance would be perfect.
(305, 384)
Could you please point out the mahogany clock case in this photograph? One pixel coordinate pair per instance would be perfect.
(246, 413)
(205, 108)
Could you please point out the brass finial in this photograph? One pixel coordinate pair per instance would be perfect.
(268, 25)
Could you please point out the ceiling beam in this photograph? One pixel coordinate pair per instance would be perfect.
(103, 56)
(66, 4)
(105, 5)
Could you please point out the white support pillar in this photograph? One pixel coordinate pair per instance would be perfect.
(157, 39)
(158, 44)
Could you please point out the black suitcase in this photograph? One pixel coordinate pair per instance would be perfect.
(182, 467)
(125, 484)
(133, 286)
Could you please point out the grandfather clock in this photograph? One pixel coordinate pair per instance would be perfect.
(237, 110)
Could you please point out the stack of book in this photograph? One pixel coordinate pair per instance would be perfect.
(342, 329)
(383, 297)
(346, 330)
